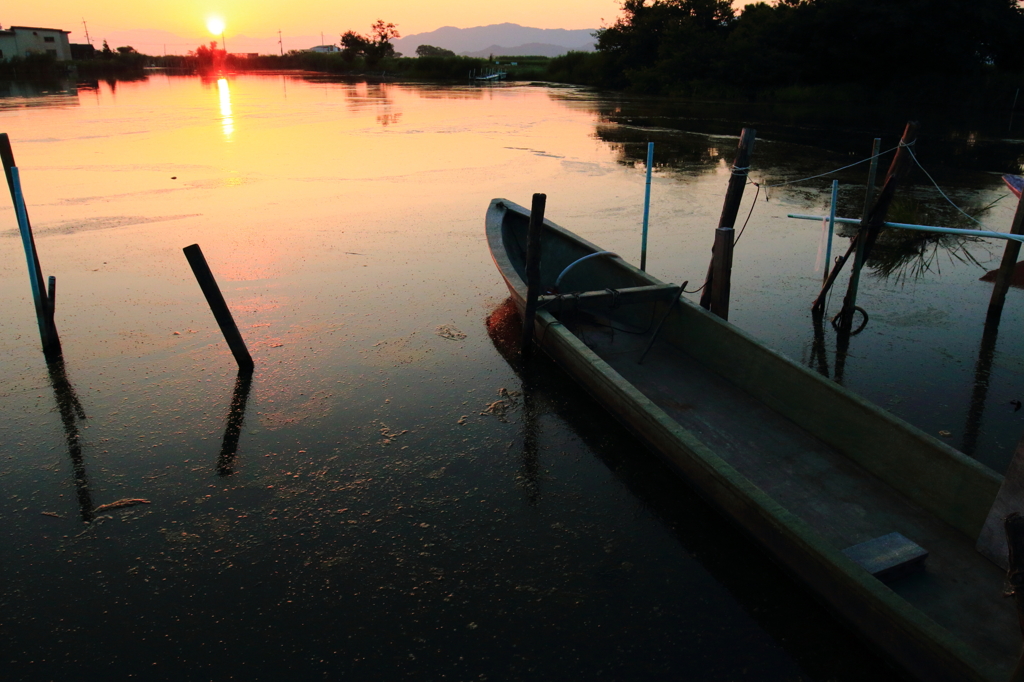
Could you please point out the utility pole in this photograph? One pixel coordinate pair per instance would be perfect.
(279, 43)
(86, 27)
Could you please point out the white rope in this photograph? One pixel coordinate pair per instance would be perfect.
(821, 175)
(914, 157)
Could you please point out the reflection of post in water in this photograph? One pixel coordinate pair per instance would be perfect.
(531, 457)
(228, 448)
(982, 374)
(70, 412)
(819, 358)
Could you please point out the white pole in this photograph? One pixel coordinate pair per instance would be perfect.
(831, 228)
(920, 228)
(647, 206)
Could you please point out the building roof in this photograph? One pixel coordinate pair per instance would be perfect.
(34, 28)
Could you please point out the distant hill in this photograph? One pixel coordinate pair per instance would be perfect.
(500, 39)
(538, 49)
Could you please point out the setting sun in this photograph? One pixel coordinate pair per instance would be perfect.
(215, 25)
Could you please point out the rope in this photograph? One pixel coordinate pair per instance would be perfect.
(821, 175)
(752, 205)
(964, 213)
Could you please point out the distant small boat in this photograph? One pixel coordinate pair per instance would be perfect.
(1015, 183)
(828, 483)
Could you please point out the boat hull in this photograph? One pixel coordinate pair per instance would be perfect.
(960, 488)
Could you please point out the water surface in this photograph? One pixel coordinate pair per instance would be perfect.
(389, 497)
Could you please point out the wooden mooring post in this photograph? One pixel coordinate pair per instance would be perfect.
(219, 307)
(532, 271)
(731, 207)
(721, 271)
(1006, 267)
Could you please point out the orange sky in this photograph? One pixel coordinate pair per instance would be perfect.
(262, 18)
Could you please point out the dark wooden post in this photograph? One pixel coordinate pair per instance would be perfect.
(868, 233)
(901, 165)
(1014, 527)
(721, 269)
(1006, 267)
(219, 307)
(532, 270)
(869, 193)
(733, 197)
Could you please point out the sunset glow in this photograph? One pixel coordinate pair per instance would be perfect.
(215, 25)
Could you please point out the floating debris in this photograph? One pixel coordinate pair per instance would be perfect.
(53, 514)
(945, 434)
(450, 332)
(126, 502)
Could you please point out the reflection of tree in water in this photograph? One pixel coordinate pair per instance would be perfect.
(364, 95)
(902, 255)
(70, 412)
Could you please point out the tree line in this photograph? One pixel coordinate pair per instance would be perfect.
(679, 46)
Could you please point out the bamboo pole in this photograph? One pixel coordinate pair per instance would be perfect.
(533, 250)
(733, 197)
(868, 233)
(901, 164)
(219, 307)
(1006, 267)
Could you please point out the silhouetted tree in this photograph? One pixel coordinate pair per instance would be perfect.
(431, 51)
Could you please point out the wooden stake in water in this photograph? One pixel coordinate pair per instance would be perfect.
(869, 194)
(831, 229)
(733, 197)
(532, 271)
(219, 307)
(47, 331)
(647, 206)
(1007, 266)
(721, 265)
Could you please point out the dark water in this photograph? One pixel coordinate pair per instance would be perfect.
(390, 496)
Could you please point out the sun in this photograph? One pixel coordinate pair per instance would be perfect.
(215, 25)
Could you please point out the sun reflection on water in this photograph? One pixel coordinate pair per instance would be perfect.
(227, 120)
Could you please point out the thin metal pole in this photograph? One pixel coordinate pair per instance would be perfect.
(831, 228)
(38, 292)
(647, 206)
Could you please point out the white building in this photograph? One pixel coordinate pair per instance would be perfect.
(324, 48)
(21, 41)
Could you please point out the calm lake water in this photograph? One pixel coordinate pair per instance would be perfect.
(384, 500)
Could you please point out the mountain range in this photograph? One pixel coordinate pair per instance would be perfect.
(500, 39)
(479, 41)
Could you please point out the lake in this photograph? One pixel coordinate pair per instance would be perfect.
(382, 500)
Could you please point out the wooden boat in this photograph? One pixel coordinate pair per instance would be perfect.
(806, 467)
